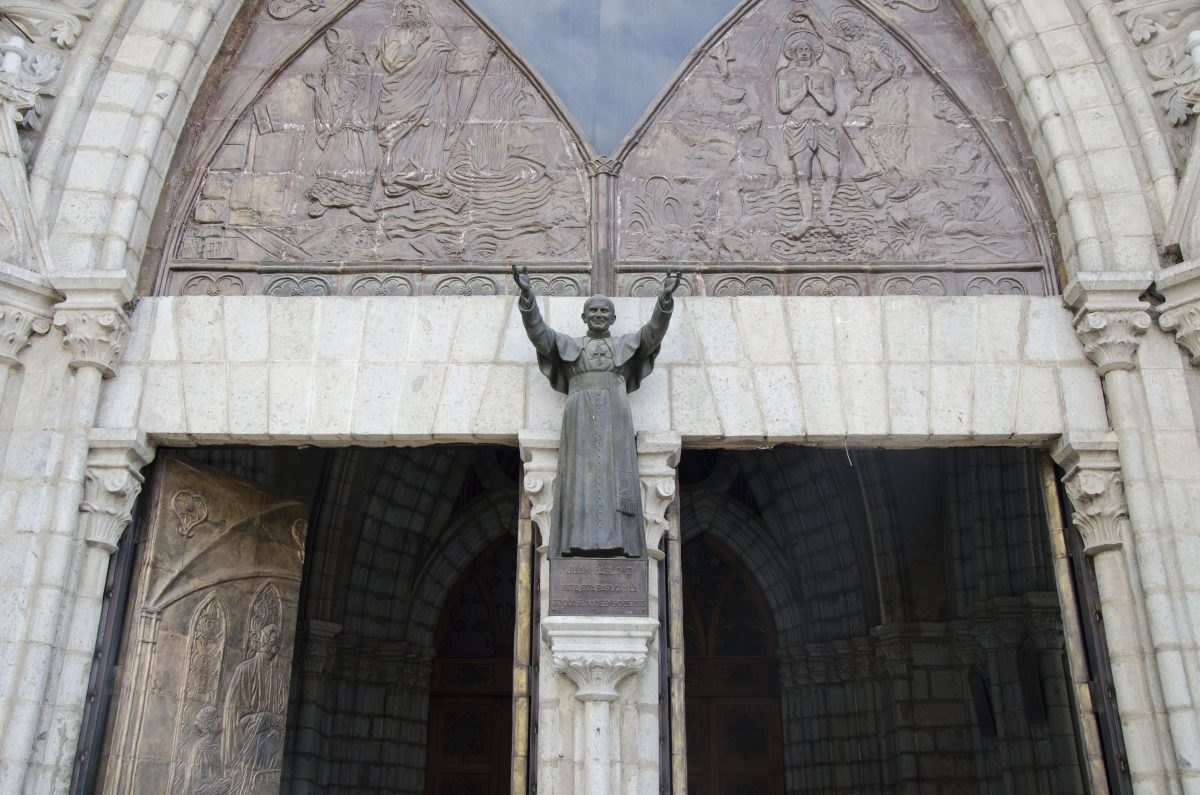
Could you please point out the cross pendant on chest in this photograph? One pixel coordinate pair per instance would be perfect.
(597, 353)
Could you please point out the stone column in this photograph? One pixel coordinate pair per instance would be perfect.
(94, 328)
(597, 653)
(1093, 482)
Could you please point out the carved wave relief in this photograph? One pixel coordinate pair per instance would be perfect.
(401, 132)
(815, 132)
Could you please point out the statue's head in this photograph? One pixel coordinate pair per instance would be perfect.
(599, 313)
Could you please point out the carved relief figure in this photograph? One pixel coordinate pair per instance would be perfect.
(805, 95)
(254, 714)
(877, 123)
(203, 771)
(420, 94)
(597, 494)
(342, 105)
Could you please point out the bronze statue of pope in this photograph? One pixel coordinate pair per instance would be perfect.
(597, 497)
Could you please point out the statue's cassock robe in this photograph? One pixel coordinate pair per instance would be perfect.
(597, 497)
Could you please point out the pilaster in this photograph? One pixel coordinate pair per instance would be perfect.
(1180, 312)
(113, 482)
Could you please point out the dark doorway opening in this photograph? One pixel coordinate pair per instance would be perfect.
(900, 609)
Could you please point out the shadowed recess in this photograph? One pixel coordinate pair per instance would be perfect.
(606, 59)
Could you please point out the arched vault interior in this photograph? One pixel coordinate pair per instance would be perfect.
(912, 595)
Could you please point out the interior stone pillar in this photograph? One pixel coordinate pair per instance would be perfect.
(1094, 485)
(598, 682)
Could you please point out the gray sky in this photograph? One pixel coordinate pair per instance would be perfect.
(610, 54)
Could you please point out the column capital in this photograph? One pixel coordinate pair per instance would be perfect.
(658, 456)
(596, 653)
(26, 306)
(1110, 316)
(93, 319)
(113, 480)
(1093, 482)
(539, 456)
(1179, 285)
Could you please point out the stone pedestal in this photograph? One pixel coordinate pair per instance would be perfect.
(596, 653)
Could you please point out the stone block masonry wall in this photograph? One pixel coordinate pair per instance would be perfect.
(920, 371)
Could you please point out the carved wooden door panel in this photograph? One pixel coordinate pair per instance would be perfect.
(202, 697)
(734, 731)
(470, 703)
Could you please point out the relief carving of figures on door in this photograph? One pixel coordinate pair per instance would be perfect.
(400, 133)
(232, 741)
(815, 132)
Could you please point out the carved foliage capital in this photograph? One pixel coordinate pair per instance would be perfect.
(597, 674)
(1179, 285)
(1185, 322)
(95, 337)
(16, 327)
(113, 480)
(1100, 514)
(1110, 337)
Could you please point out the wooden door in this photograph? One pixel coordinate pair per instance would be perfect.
(470, 705)
(734, 732)
(206, 661)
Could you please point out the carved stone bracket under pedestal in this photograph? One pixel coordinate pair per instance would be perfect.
(1110, 316)
(1093, 484)
(114, 480)
(597, 653)
(658, 456)
(539, 452)
(1180, 313)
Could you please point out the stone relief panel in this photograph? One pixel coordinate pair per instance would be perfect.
(203, 706)
(399, 137)
(821, 136)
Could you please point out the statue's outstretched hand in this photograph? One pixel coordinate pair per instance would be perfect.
(521, 277)
(669, 286)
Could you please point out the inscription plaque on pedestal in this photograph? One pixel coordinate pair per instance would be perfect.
(599, 587)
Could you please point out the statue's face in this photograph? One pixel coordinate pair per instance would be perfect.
(803, 55)
(598, 316)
